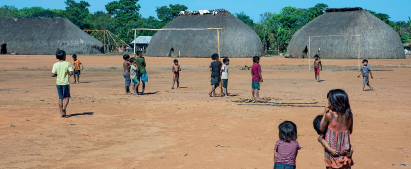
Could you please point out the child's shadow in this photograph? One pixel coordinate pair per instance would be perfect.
(183, 87)
(321, 81)
(368, 90)
(233, 95)
(84, 82)
(149, 93)
(81, 114)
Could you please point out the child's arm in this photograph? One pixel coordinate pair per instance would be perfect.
(275, 155)
(351, 126)
(349, 155)
(321, 65)
(81, 66)
(360, 73)
(371, 74)
(327, 147)
(53, 75)
(325, 120)
(261, 77)
(172, 69)
(179, 68)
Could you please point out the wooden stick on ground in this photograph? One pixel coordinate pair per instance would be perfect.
(292, 102)
(290, 105)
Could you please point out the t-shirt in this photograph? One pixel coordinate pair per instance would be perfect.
(76, 64)
(365, 71)
(256, 69)
(215, 67)
(62, 69)
(133, 72)
(141, 64)
(287, 151)
(224, 74)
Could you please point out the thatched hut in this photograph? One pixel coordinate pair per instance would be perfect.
(378, 41)
(236, 38)
(42, 36)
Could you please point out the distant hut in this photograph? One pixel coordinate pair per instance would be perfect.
(378, 41)
(236, 38)
(42, 36)
(141, 42)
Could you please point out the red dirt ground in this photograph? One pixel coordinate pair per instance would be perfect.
(180, 128)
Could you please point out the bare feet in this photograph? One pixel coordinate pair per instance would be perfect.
(211, 94)
(172, 87)
(63, 112)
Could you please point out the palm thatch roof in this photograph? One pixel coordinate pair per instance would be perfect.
(378, 41)
(42, 36)
(236, 38)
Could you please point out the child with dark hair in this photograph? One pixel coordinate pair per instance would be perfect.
(337, 122)
(365, 69)
(256, 77)
(133, 75)
(215, 68)
(142, 75)
(224, 75)
(77, 66)
(176, 73)
(286, 149)
(62, 70)
(317, 66)
(126, 73)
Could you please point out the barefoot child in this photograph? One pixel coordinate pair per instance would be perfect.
(215, 68)
(224, 75)
(317, 66)
(365, 69)
(62, 70)
(176, 73)
(256, 77)
(141, 64)
(133, 75)
(77, 66)
(286, 149)
(126, 73)
(338, 122)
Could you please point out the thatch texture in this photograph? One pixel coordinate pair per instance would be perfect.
(378, 41)
(236, 38)
(42, 36)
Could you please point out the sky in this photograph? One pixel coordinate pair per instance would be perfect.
(398, 10)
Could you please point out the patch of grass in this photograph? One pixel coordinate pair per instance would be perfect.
(24, 68)
(111, 68)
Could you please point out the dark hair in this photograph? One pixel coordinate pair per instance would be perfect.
(175, 61)
(255, 59)
(60, 54)
(365, 60)
(74, 56)
(288, 131)
(214, 56)
(317, 123)
(316, 56)
(132, 60)
(126, 56)
(226, 60)
(339, 100)
(138, 53)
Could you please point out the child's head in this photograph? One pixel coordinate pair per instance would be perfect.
(74, 57)
(316, 56)
(338, 102)
(365, 62)
(132, 60)
(61, 55)
(226, 61)
(256, 59)
(139, 53)
(126, 57)
(317, 123)
(214, 56)
(175, 61)
(287, 131)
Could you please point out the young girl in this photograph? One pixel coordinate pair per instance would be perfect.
(338, 121)
(286, 149)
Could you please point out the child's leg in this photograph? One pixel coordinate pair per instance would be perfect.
(253, 92)
(368, 84)
(78, 78)
(144, 87)
(363, 86)
(66, 102)
(61, 106)
(178, 81)
(133, 87)
(75, 80)
(174, 80)
(137, 85)
(318, 76)
(257, 94)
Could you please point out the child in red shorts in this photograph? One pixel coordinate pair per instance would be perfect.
(317, 67)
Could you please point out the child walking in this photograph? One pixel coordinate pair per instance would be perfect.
(365, 69)
(133, 75)
(317, 66)
(338, 124)
(62, 70)
(176, 73)
(256, 77)
(126, 73)
(224, 75)
(286, 149)
(77, 66)
(141, 64)
(215, 68)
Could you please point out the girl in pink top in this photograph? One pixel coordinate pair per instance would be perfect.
(338, 122)
(286, 149)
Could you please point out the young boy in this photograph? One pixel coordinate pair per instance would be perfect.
(365, 69)
(126, 73)
(317, 66)
(62, 70)
(215, 68)
(224, 75)
(176, 73)
(77, 66)
(133, 75)
(256, 77)
(141, 64)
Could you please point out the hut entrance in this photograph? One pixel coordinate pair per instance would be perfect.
(3, 49)
(171, 52)
(305, 51)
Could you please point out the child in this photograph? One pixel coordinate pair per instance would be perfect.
(77, 66)
(176, 73)
(224, 75)
(317, 66)
(133, 75)
(286, 149)
(338, 122)
(365, 69)
(141, 64)
(62, 70)
(126, 73)
(215, 68)
(256, 77)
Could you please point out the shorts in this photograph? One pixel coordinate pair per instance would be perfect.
(283, 166)
(127, 79)
(134, 80)
(214, 81)
(256, 85)
(77, 72)
(64, 91)
(143, 77)
(317, 71)
(225, 83)
(365, 80)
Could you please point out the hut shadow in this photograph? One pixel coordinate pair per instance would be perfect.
(81, 114)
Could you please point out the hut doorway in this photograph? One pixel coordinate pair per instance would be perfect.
(171, 52)
(3, 49)
(305, 51)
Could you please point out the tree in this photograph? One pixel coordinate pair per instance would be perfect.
(101, 20)
(165, 13)
(77, 13)
(29, 12)
(9, 11)
(125, 13)
(246, 19)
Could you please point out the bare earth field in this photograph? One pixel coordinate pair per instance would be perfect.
(180, 128)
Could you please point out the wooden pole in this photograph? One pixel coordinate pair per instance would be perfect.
(359, 52)
(135, 34)
(309, 52)
(104, 42)
(218, 42)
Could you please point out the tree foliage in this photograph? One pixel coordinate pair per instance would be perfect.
(246, 19)
(165, 13)
(77, 12)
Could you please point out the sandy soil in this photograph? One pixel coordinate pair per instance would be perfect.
(180, 128)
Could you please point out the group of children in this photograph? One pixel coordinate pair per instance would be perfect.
(135, 73)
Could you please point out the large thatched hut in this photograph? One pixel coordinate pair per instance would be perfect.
(42, 36)
(236, 38)
(378, 40)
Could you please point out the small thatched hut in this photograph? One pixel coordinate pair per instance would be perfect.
(42, 36)
(236, 38)
(378, 41)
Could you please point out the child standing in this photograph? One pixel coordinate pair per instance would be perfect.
(215, 68)
(62, 70)
(176, 73)
(365, 69)
(338, 122)
(126, 73)
(141, 64)
(133, 75)
(317, 66)
(286, 149)
(77, 66)
(256, 77)
(224, 75)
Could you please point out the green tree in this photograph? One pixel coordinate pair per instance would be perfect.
(29, 12)
(165, 13)
(101, 20)
(9, 11)
(246, 19)
(125, 13)
(77, 12)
